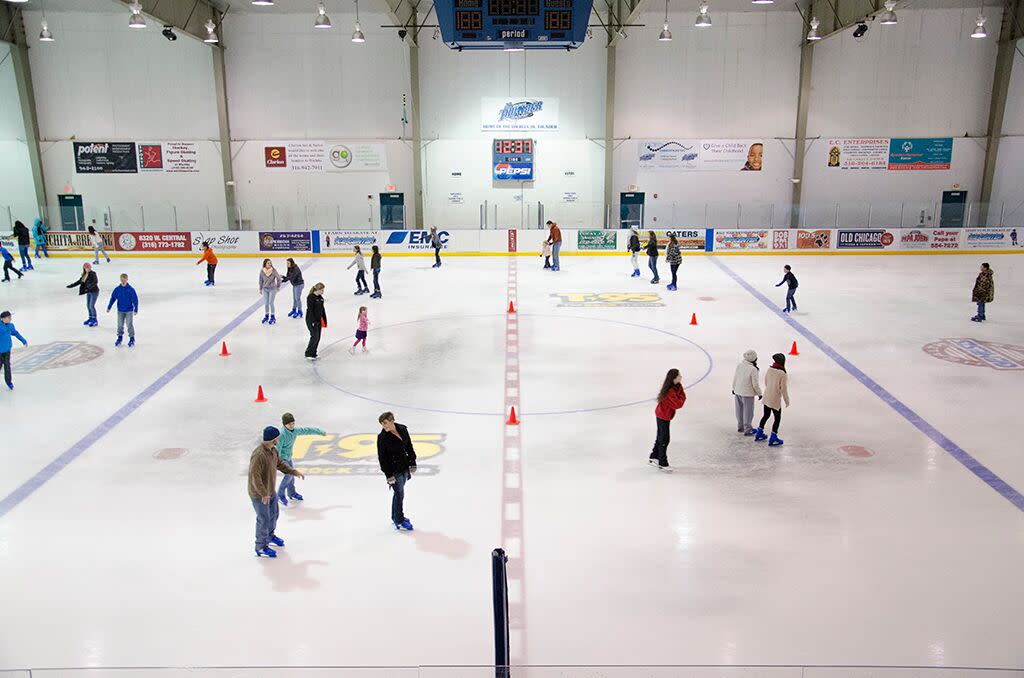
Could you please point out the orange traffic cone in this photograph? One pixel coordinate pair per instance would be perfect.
(512, 421)
(323, 323)
(793, 351)
(224, 349)
(260, 398)
(693, 319)
(511, 307)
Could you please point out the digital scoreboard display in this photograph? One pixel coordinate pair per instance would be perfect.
(513, 24)
(512, 160)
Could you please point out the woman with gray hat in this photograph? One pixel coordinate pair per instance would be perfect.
(745, 385)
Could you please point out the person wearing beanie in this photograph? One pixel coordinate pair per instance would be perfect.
(263, 467)
(8, 330)
(776, 391)
(745, 385)
(289, 432)
(984, 291)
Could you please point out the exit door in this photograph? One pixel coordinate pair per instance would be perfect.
(392, 211)
(631, 210)
(954, 204)
(72, 216)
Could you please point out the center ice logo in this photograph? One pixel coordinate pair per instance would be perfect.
(964, 351)
(608, 299)
(356, 454)
(53, 356)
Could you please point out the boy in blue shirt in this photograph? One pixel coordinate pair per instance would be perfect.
(8, 264)
(284, 450)
(8, 330)
(127, 307)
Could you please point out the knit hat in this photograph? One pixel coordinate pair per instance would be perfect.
(750, 356)
(5, 314)
(780, 359)
(287, 418)
(270, 433)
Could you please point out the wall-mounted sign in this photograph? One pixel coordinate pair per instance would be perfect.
(324, 157)
(512, 160)
(858, 153)
(921, 154)
(701, 155)
(105, 157)
(518, 115)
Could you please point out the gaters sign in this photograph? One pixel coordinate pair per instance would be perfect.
(415, 240)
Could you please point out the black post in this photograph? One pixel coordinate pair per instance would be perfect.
(499, 590)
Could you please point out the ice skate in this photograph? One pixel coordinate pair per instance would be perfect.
(774, 441)
(266, 552)
(404, 525)
(296, 496)
(131, 342)
(759, 435)
(283, 499)
(276, 541)
(273, 321)
(266, 319)
(120, 338)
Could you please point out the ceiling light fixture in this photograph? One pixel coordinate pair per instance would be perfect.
(322, 20)
(703, 18)
(666, 34)
(888, 17)
(357, 35)
(45, 35)
(263, 3)
(762, 2)
(813, 33)
(211, 33)
(979, 27)
(136, 20)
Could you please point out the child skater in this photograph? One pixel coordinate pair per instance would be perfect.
(127, 308)
(545, 251)
(270, 283)
(88, 284)
(8, 330)
(791, 290)
(364, 322)
(97, 246)
(211, 263)
(289, 433)
(294, 276)
(671, 397)
(9, 264)
(360, 263)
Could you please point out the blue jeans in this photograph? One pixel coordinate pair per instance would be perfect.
(26, 261)
(398, 498)
(653, 263)
(96, 250)
(297, 297)
(376, 281)
(437, 256)
(41, 246)
(266, 520)
(790, 300)
(555, 248)
(90, 303)
(981, 310)
(361, 281)
(268, 301)
(287, 486)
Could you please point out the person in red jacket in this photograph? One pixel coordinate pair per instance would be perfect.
(670, 398)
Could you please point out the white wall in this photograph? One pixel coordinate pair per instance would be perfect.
(1008, 188)
(17, 194)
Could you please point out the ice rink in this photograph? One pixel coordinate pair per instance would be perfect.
(888, 530)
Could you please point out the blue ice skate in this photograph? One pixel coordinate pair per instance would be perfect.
(266, 318)
(296, 496)
(266, 552)
(759, 435)
(404, 525)
(775, 441)
(120, 338)
(276, 541)
(273, 321)
(283, 499)
(131, 342)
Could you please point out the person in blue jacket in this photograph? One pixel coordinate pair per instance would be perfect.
(289, 432)
(8, 330)
(127, 307)
(39, 234)
(9, 264)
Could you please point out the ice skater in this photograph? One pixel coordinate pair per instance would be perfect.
(88, 284)
(97, 246)
(398, 463)
(24, 240)
(270, 283)
(545, 251)
(316, 319)
(776, 391)
(555, 240)
(984, 291)
(263, 467)
(790, 280)
(673, 258)
(652, 255)
(364, 323)
(8, 330)
(746, 383)
(435, 242)
(289, 433)
(671, 397)
(634, 252)
(211, 263)
(127, 308)
(375, 267)
(293, 275)
(360, 263)
(39, 230)
(9, 264)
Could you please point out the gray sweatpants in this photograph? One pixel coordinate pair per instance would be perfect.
(123, 318)
(633, 256)
(744, 413)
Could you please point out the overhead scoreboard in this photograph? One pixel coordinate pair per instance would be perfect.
(513, 24)
(512, 160)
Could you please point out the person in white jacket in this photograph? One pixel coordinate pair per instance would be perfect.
(360, 263)
(745, 385)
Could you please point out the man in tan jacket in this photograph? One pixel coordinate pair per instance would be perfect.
(263, 467)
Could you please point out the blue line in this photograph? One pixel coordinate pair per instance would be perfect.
(954, 450)
(23, 492)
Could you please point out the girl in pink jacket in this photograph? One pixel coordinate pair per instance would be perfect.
(364, 323)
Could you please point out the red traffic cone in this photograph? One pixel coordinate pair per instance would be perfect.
(224, 349)
(793, 351)
(512, 421)
(693, 319)
(511, 307)
(260, 398)
(323, 323)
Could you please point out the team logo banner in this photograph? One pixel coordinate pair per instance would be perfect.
(701, 155)
(324, 157)
(519, 115)
(988, 238)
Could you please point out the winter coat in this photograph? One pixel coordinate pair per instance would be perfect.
(7, 256)
(357, 260)
(555, 236)
(634, 243)
(984, 288)
(287, 440)
(294, 276)
(652, 248)
(672, 255)
(8, 330)
(208, 256)
(375, 261)
(435, 240)
(673, 400)
(776, 388)
(39, 232)
(21, 233)
(270, 282)
(316, 314)
(91, 284)
(126, 297)
(395, 455)
(746, 381)
(263, 467)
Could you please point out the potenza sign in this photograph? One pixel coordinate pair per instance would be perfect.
(519, 115)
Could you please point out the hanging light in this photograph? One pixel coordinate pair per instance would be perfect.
(211, 33)
(666, 34)
(322, 20)
(263, 3)
(45, 35)
(357, 35)
(762, 2)
(813, 33)
(888, 17)
(979, 27)
(136, 20)
(703, 18)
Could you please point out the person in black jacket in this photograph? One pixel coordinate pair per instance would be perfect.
(294, 276)
(634, 251)
(398, 463)
(652, 255)
(316, 319)
(790, 280)
(89, 285)
(375, 267)
(23, 236)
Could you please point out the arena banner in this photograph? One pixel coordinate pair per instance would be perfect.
(342, 241)
(780, 239)
(700, 155)
(526, 114)
(227, 242)
(285, 241)
(513, 242)
(929, 239)
(412, 241)
(858, 154)
(10, 242)
(105, 157)
(819, 239)
(152, 241)
(75, 241)
(324, 156)
(921, 154)
(172, 157)
(875, 238)
(596, 240)
(690, 239)
(750, 241)
(987, 238)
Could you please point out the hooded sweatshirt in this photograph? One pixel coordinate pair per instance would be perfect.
(746, 381)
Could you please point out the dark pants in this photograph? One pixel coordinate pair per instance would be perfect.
(5, 360)
(266, 520)
(767, 413)
(314, 327)
(210, 269)
(9, 266)
(376, 281)
(361, 281)
(398, 497)
(26, 261)
(660, 451)
(790, 299)
(41, 246)
(981, 310)
(547, 261)
(653, 263)
(675, 268)
(437, 256)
